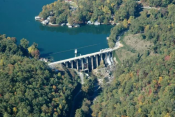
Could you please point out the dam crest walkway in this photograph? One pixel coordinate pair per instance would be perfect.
(102, 51)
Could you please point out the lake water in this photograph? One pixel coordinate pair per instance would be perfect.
(17, 20)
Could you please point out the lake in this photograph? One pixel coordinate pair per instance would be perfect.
(17, 20)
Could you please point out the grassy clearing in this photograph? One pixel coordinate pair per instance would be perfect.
(116, 56)
(133, 45)
(138, 44)
(123, 54)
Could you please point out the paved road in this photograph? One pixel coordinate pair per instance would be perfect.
(148, 7)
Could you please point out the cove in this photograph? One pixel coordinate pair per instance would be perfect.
(17, 20)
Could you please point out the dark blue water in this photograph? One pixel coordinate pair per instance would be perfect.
(17, 20)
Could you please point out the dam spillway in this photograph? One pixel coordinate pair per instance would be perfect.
(83, 62)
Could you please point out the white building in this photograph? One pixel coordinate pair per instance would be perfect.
(97, 23)
(48, 18)
(37, 18)
(76, 25)
(45, 22)
(63, 24)
(69, 26)
(89, 22)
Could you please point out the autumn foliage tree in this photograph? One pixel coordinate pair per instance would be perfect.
(33, 50)
(28, 87)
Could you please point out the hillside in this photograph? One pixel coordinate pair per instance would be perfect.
(144, 83)
(28, 87)
(144, 78)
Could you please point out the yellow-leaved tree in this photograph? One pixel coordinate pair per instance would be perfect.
(125, 23)
(14, 110)
(33, 50)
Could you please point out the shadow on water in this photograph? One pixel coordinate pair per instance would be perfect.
(81, 96)
(77, 103)
(41, 49)
(46, 54)
(102, 29)
(97, 91)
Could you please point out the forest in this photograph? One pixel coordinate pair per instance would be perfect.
(28, 87)
(81, 11)
(158, 3)
(144, 85)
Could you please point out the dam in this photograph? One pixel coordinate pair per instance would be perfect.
(89, 61)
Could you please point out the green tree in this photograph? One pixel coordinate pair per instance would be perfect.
(24, 43)
(70, 20)
(6, 115)
(79, 113)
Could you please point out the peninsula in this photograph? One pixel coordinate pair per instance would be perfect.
(74, 13)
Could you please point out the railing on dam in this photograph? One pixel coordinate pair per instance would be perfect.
(84, 59)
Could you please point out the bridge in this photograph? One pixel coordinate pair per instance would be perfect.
(84, 59)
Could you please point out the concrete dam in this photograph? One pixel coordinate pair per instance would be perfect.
(90, 61)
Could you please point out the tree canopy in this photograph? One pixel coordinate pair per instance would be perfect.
(28, 87)
(144, 85)
(81, 11)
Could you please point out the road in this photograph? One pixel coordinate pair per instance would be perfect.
(148, 7)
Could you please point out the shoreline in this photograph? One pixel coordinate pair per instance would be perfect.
(112, 23)
(57, 25)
